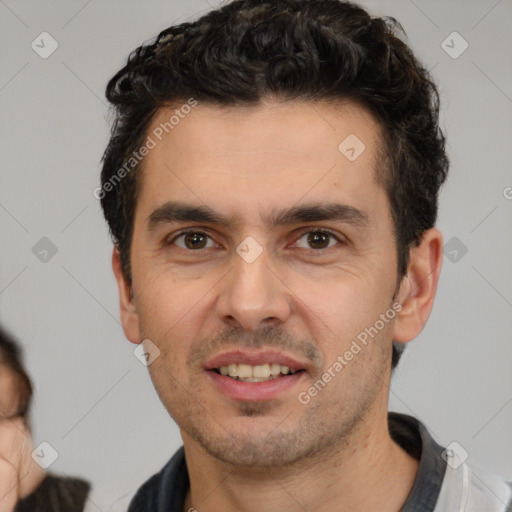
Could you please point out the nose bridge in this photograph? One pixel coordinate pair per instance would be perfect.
(252, 294)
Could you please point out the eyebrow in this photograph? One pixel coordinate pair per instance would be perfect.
(176, 211)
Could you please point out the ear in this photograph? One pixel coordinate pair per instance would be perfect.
(418, 287)
(129, 315)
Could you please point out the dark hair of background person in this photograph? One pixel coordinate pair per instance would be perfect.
(11, 357)
(54, 493)
(311, 50)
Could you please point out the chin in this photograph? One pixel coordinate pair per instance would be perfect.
(255, 440)
(256, 450)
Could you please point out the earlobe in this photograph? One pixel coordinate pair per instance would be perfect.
(128, 310)
(418, 288)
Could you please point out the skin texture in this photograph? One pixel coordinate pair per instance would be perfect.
(308, 300)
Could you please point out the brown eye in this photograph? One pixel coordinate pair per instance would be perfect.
(192, 240)
(318, 240)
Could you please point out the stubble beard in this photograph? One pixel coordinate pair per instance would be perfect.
(305, 436)
(319, 431)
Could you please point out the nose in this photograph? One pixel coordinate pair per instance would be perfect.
(253, 295)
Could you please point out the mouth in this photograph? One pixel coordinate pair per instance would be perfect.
(254, 376)
(258, 373)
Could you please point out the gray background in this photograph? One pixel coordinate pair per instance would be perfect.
(94, 401)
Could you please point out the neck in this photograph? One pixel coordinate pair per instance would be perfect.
(367, 471)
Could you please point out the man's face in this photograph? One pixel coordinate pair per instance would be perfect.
(285, 296)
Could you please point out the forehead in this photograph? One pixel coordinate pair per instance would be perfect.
(276, 152)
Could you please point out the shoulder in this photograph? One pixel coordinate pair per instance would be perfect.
(445, 480)
(146, 498)
(473, 489)
(68, 493)
(165, 489)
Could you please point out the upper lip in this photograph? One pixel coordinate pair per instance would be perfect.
(253, 359)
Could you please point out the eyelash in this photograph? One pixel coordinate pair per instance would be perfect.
(311, 231)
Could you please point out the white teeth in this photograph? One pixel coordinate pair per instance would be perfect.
(275, 369)
(244, 370)
(233, 370)
(257, 373)
(262, 370)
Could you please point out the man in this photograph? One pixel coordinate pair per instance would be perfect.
(24, 485)
(271, 188)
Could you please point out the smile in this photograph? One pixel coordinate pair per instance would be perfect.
(257, 373)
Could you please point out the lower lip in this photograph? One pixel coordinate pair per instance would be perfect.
(254, 391)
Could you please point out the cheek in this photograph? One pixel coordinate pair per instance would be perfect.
(170, 313)
(162, 297)
(342, 305)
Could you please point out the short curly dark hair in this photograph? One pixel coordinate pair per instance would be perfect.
(310, 50)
